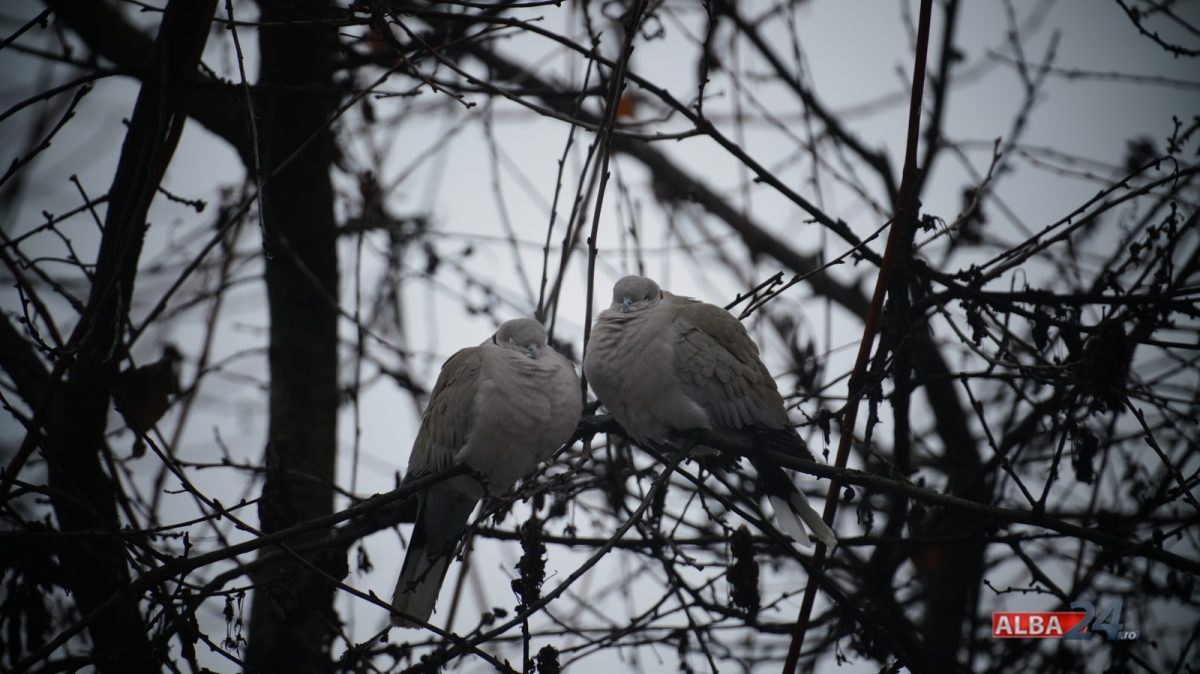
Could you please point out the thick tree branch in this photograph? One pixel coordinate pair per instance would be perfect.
(102, 27)
(94, 567)
(1116, 545)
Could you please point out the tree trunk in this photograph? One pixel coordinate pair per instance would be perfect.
(292, 621)
(85, 497)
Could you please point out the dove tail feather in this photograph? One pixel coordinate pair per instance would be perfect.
(418, 587)
(787, 521)
(812, 518)
(792, 511)
(441, 521)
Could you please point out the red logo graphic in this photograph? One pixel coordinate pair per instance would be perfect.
(1034, 624)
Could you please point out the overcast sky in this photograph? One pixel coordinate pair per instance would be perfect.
(856, 56)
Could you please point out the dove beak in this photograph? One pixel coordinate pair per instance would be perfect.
(531, 351)
(626, 305)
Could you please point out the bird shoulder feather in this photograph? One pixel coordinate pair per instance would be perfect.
(450, 416)
(719, 368)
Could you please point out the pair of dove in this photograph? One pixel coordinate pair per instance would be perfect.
(659, 362)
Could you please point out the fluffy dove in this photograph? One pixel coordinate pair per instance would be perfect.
(501, 408)
(662, 363)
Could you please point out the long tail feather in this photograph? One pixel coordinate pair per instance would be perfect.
(418, 587)
(813, 519)
(440, 523)
(792, 511)
(787, 521)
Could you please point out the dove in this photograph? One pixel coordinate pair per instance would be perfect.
(663, 364)
(500, 408)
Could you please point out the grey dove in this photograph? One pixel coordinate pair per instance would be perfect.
(662, 363)
(501, 408)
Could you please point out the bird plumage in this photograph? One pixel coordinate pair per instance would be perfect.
(662, 363)
(500, 408)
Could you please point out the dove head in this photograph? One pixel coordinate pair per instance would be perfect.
(634, 293)
(523, 335)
